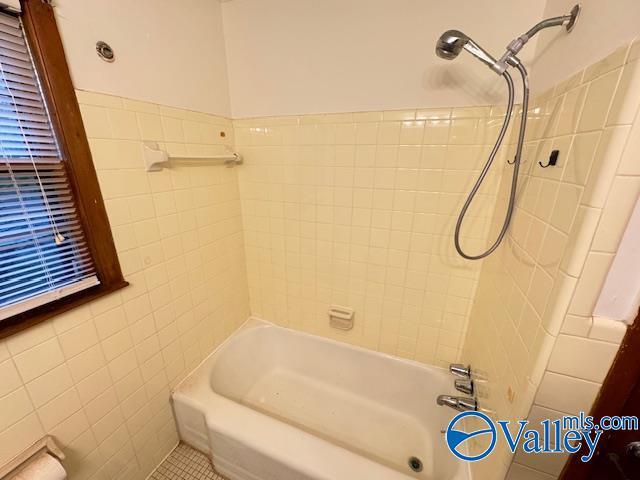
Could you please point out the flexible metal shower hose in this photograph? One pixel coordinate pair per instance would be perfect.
(492, 155)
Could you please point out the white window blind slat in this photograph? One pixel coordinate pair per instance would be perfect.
(40, 215)
(17, 96)
(38, 300)
(32, 152)
(36, 286)
(37, 210)
(8, 44)
(20, 102)
(29, 264)
(15, 263)
(6, 29)
(12, 5)
(24, 278)
(26, 78)
(10, 85)
(35, 239)
(28, 192)
(19, 106)
(43, 252)
(20, 62)
(39, 121)
(29, 255)
(5, 55)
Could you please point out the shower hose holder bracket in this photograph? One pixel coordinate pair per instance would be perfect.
(553, 159)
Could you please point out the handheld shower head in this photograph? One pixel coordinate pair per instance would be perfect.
(451, 43)
(449, 46)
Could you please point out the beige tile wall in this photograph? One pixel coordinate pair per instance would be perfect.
(353, 209)
(98, 378)
(531, 332)
(358, 209)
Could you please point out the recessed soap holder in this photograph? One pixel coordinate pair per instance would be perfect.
(341, 317)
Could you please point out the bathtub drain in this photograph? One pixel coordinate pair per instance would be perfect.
(415, 464)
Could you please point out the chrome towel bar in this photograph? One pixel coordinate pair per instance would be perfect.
(156, 159)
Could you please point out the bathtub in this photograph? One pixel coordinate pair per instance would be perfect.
(276, 404)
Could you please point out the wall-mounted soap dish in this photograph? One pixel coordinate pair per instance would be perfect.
(341, 317)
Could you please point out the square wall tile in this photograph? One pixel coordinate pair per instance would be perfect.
(582, 357)
(590, 283)
(597, 101)
(607, 330)
(566, 394)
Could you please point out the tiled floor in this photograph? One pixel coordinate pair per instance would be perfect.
(185, 463)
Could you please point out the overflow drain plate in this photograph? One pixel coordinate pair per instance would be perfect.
(415, 464)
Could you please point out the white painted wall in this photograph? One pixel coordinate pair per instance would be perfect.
(168, 52)
(311, 56)
(603, 26)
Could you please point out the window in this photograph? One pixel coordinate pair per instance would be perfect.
(56, 249)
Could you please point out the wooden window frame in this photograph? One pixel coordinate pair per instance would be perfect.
(48, 55)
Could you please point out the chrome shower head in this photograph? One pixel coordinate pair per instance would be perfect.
(451, 43)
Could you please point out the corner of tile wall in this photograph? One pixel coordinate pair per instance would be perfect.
(98, 378)
(568, 222)
(358, 209)
(587, 345)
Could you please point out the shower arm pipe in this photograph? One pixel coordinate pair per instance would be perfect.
(517, 44)
(515, 62)
(549, 22)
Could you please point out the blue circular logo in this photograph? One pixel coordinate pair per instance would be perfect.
(457, 437)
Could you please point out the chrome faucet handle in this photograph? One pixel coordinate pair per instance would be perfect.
(465, 404)
(464, 385)
(460, 404)
(460, 370)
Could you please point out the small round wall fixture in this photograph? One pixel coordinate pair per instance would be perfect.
(105, 52)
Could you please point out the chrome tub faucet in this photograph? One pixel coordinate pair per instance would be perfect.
(462, 404)
(464, 385)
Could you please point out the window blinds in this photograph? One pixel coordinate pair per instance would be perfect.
(43, 252)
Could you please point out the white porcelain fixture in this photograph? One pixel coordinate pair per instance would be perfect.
(273, 403)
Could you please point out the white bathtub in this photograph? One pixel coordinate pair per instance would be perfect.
(277, 404)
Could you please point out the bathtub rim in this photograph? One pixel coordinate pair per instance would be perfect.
(255, 322)
(195, 391)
